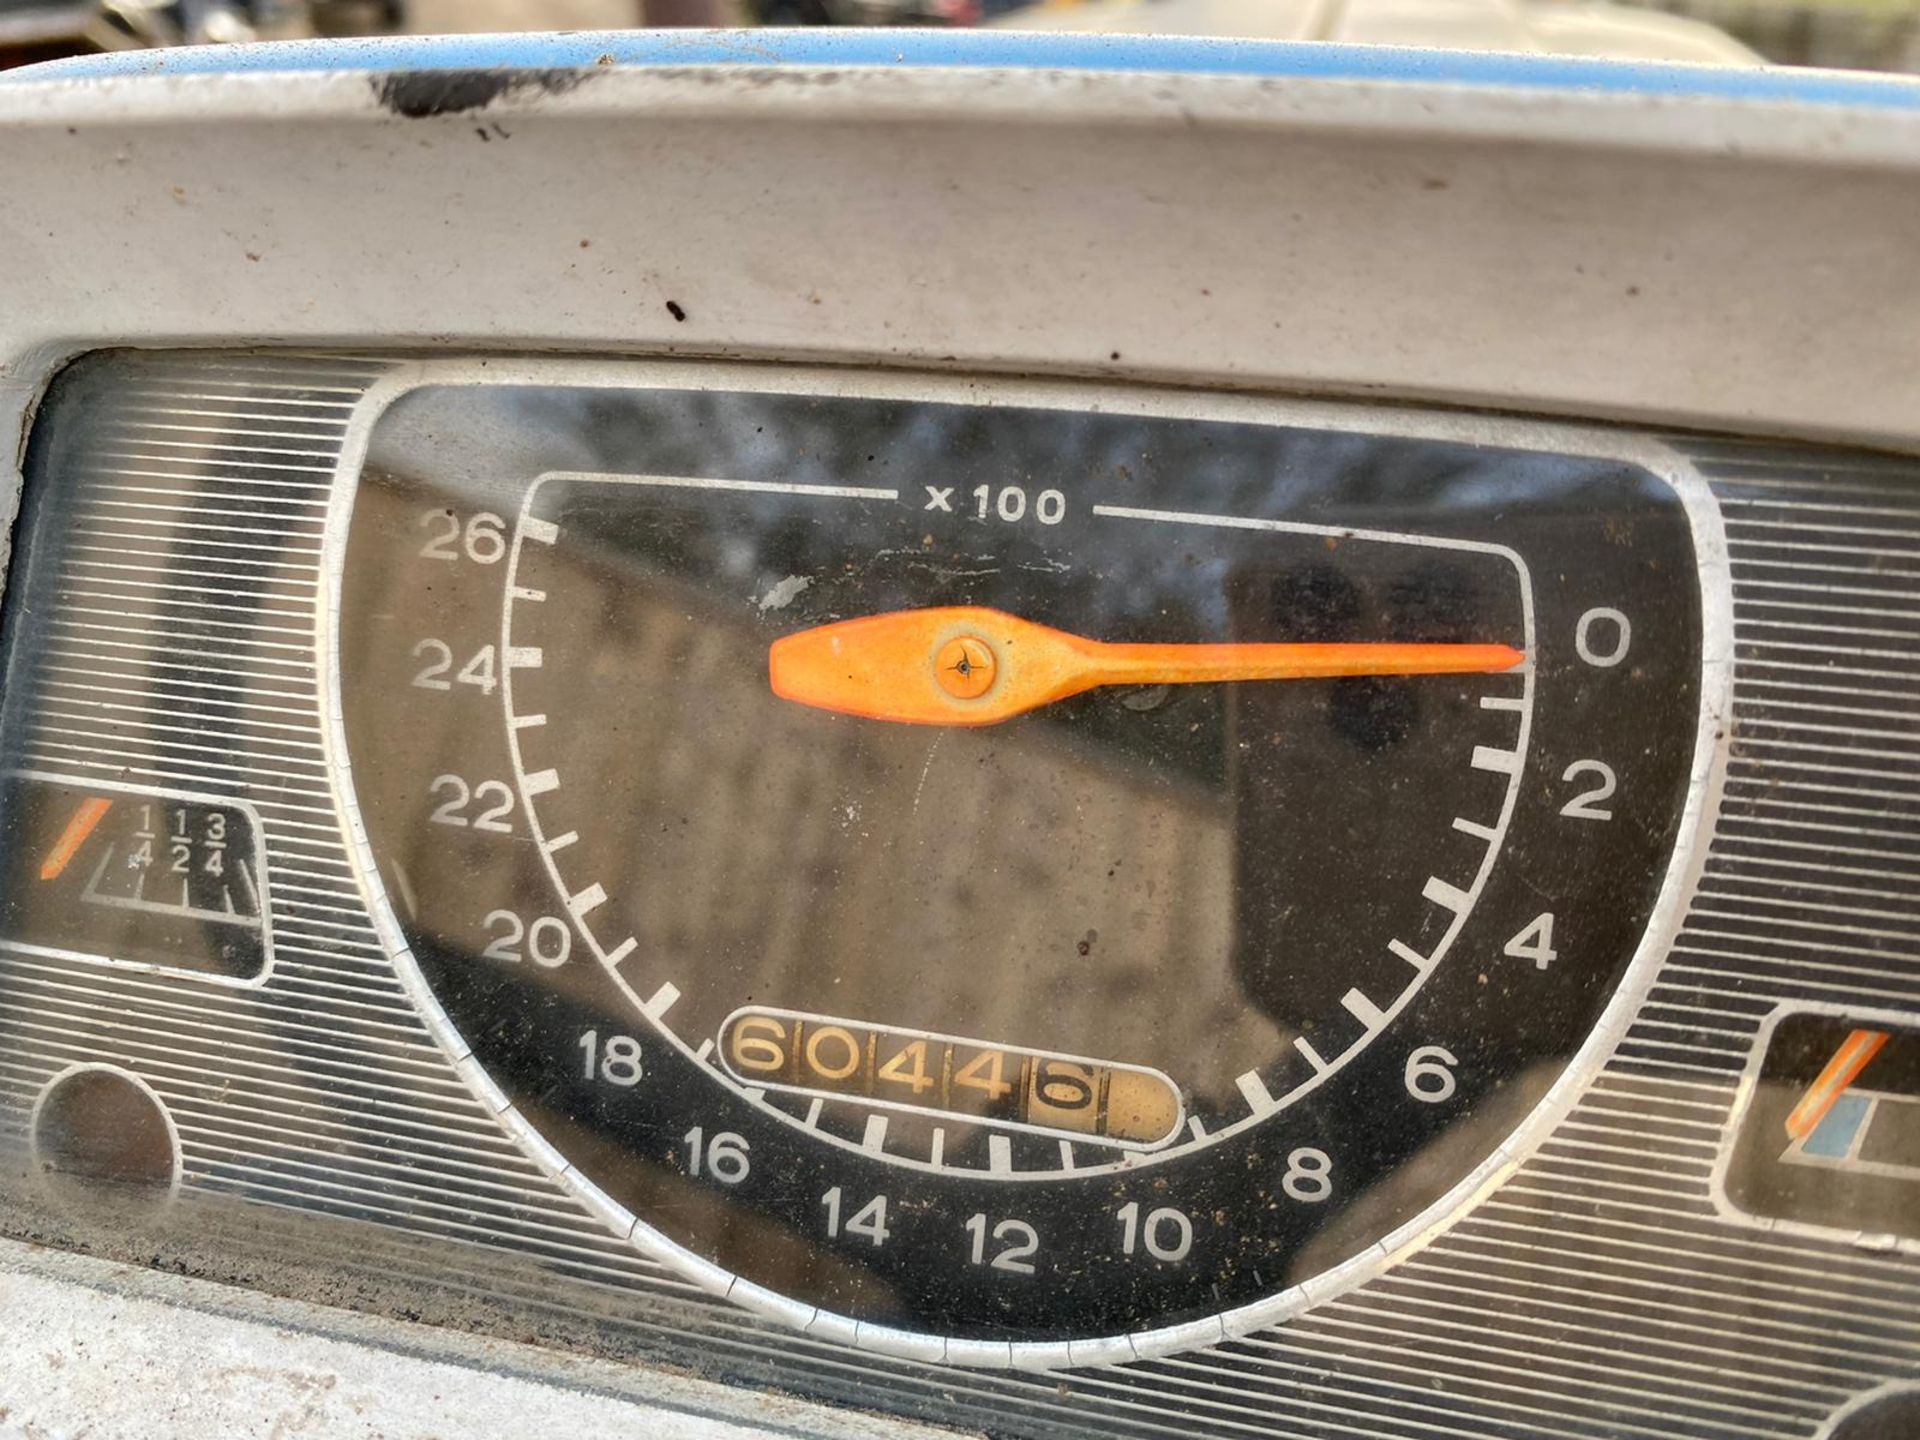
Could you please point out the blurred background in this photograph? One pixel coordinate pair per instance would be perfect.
(1847, 34)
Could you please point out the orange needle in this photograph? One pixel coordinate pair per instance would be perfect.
(1842, 1070)
(91, 812)
(968, 665)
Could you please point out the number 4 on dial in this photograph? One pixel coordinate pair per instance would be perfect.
(1535, 943)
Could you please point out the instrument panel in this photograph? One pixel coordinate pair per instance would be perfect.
(980, 878)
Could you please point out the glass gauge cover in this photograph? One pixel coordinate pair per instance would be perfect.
(1014, 882)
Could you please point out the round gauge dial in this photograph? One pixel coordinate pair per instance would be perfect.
(1005, 882)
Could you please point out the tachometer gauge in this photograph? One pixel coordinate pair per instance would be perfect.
(1047, 880)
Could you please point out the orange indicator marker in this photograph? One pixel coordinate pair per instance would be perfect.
(91, 812)
(968, 665)
(1841, 1071)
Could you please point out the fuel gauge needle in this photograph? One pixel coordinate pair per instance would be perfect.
(89, 814)
(1832, 1082)
(970, 665)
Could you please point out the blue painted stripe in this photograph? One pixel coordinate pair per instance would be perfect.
(1000, 49)
(1833, 1137)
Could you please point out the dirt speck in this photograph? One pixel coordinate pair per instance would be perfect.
(419, 94)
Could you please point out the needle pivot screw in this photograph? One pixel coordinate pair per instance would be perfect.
(965, 667)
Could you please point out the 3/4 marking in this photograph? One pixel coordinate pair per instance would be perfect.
(620, 952)
(1504, 702)
(1310, 1055)
(1475, 829)
(560, 842)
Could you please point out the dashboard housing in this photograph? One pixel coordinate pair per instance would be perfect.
(1688, 254)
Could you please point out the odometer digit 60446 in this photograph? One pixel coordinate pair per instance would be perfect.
(1030, 878)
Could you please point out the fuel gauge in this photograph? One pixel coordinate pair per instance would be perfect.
(1831, 1136)
(146, 877)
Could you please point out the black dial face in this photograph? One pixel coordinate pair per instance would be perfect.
(1005, 874)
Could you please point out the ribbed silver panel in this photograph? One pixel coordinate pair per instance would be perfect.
(1600, 1292)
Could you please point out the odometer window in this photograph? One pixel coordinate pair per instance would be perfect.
(1015, 874)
